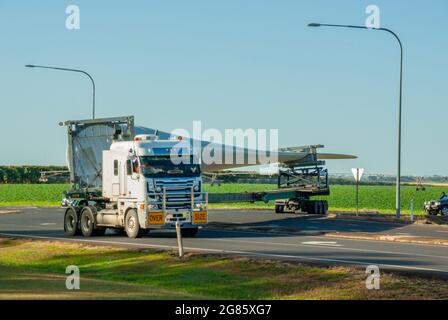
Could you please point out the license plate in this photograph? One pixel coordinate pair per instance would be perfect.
(155, 218)
(200, 217)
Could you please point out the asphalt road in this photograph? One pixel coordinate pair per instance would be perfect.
(44, 223)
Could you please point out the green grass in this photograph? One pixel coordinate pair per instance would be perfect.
(36, 270)
(342, 197)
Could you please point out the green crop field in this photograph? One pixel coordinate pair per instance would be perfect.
(342, 197)
(31, 194)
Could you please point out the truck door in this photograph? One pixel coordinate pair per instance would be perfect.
(133, 178)
(124, 178)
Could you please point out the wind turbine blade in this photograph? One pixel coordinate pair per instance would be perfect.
(334, 156)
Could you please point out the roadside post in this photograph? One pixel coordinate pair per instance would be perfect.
(179, 240)
(357, 173)
(412, 210)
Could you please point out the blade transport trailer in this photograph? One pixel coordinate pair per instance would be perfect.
(120, 180)
(297, 183)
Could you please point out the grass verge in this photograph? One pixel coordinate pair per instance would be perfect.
(36, 270)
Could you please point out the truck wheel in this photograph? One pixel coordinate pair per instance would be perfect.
(71, 223)
(87, 222)
(132, 226)
(189, 232)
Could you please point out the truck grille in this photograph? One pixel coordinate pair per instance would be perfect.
(178, 193)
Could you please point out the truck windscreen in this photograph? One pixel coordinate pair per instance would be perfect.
(162, 166)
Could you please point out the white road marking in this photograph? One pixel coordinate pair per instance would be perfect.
(330, 237)
(323, 243)
(351, 262)
(339, 248)
(48, 224)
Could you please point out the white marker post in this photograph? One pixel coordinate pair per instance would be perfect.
(357, 173)
(179, 240)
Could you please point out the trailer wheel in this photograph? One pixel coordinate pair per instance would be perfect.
(132, 226)
(87, 222)
(189, 232)
(71, 227)
(319, 207)
(311, 207)
(325, 205)
(279, 208)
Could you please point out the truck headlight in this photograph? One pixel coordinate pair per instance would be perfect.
(196, 188)
(158, 189)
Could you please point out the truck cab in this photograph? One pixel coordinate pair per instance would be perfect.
(147, 184)
(160, 179)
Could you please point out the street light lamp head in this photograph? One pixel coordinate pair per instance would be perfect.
(314, 24)
(30, 66)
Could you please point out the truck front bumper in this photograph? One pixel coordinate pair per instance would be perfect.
(168, 219)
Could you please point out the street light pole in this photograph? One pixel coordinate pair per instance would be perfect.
(398, 182)
(73, 70)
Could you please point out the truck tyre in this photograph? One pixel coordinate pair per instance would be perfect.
(189, 232)
(87, 222)
(132, 226)
(311, 207)
(325, 204)
(71, 226)
(322, 207)
(279, 208)
(319, 207)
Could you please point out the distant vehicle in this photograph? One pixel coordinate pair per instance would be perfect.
(434, 207)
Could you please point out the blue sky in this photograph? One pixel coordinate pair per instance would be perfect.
(231, 64)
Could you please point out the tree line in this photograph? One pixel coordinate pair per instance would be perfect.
(25, 174)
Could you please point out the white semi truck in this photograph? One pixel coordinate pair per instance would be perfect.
(128, 181)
